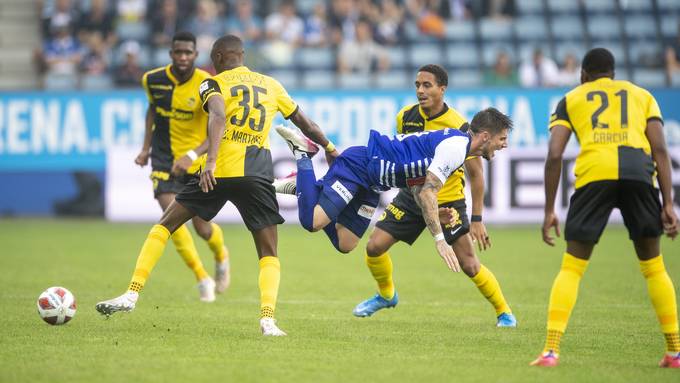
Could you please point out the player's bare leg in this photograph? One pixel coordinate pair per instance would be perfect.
(213, 235)
(484, 279)
(270, 275)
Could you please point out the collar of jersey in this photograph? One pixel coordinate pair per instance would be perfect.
(241, 68)
(172, 77)
(420, 110)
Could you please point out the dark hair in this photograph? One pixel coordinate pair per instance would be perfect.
(439, 73)
(228, 42)
(184, 36)
(490, 120)
(598, 61)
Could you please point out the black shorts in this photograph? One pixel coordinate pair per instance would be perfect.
(403, 219)
(254, 197)
(166, 182)
(591, 205)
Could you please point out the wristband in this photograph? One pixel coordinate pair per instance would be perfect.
(191, 154)
(475, 218)
(439, 237)
(330, 147)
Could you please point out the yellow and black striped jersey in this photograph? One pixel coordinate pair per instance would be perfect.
(609, 118)
(411, 119)
(180, 124)
(251, 100)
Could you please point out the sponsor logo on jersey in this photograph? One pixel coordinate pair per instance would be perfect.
(342, 191)
(366, 211)
(396, 212)
(175, 114)
(160, 86)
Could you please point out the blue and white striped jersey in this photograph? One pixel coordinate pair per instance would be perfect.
(403, 160)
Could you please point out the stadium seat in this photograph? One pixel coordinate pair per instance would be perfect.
(561, 6)
(668, 5)
(460, 30)
(649, 77)
(526, 7)
(494, 29)
(421, 54)
(288, 78)
(96, 82)
(397, 55)
(578, 49)
(491, 49)
(640, 26)
(600, 6)
(132, 31)
(393, 79)
(604, 27)
(669, 26)
(305, 7)
(318, 79)
(621, 73)
(462, 55)
(567, 28)
(465, 78)
(61, 81)
(160, 57)
(647, 53)
(315, 58)
(413, 33)
(144, 57)
(637, 6)
(531, 28)
(354, 80)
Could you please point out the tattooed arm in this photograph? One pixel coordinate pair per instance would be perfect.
(426, 197)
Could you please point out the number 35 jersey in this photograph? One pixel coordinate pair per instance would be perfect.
(609, 118)
(251, 100)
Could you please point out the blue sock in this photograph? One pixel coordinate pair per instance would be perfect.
(307, 192)
(332, 234)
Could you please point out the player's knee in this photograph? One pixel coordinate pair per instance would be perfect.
(203, 232)
(374, 248)
(469, 263)
(471, 269)
(346, 247)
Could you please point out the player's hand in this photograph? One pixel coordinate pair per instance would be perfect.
(181, 166)
(447, 215)
(331, 156)
(550, 220)
(479, 235)
(670, 221)
(446, 252)
(207, 180)
(143, 158)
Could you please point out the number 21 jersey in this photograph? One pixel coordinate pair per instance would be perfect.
(251, 100)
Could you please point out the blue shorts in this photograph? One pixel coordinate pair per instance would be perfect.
(346, 194)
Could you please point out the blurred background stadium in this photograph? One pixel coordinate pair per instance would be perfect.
(71, 108)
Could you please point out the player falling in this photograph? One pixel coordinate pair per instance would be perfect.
(342, 202)
(620, 131)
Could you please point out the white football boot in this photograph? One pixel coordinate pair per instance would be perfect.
(222, 276)
(269, 327)
(297, 142)
(286, 185)
(206, 289)
(124, 303)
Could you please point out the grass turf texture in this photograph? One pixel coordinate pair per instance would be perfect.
(442, 330)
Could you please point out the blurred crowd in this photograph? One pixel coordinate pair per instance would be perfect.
(117, 40)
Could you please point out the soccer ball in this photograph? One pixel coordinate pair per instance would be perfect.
(56, 305)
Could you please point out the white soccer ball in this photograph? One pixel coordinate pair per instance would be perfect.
(56, 305)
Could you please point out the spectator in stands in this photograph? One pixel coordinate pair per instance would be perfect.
(62, 52)
(540, 71)
(427, 17)
(499, 9)
(342, 21)
(131, 11)
(390, 22)
(245, 23)
(457, 10)
(284, 25)
(62, 10)
(673, 61)
(362, 54)
(130, 72)
(316, 27)
(502, 73)
(570, 74)
(205, 25)
(98, 20)
(95, 60)
(164, 24)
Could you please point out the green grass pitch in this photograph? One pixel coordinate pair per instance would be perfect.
(442, 330)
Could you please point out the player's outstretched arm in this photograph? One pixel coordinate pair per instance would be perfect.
(426, 197)
(660, 155)
(559, 136)
(216, 124)
(143, 157)
(473, 170)
(310, 129)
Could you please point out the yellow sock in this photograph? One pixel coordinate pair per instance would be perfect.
(216, 244)
(488, 285)
(151, 250)
(381, 269)
(662, 294)
(184, 244)
(270, 275)
(563, 298)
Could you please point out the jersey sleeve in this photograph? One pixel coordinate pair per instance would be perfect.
(284, 102)
(448, 156)
(145, 85)
(560, 116)
(653, 112)
(207, 89)
(400, 121)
